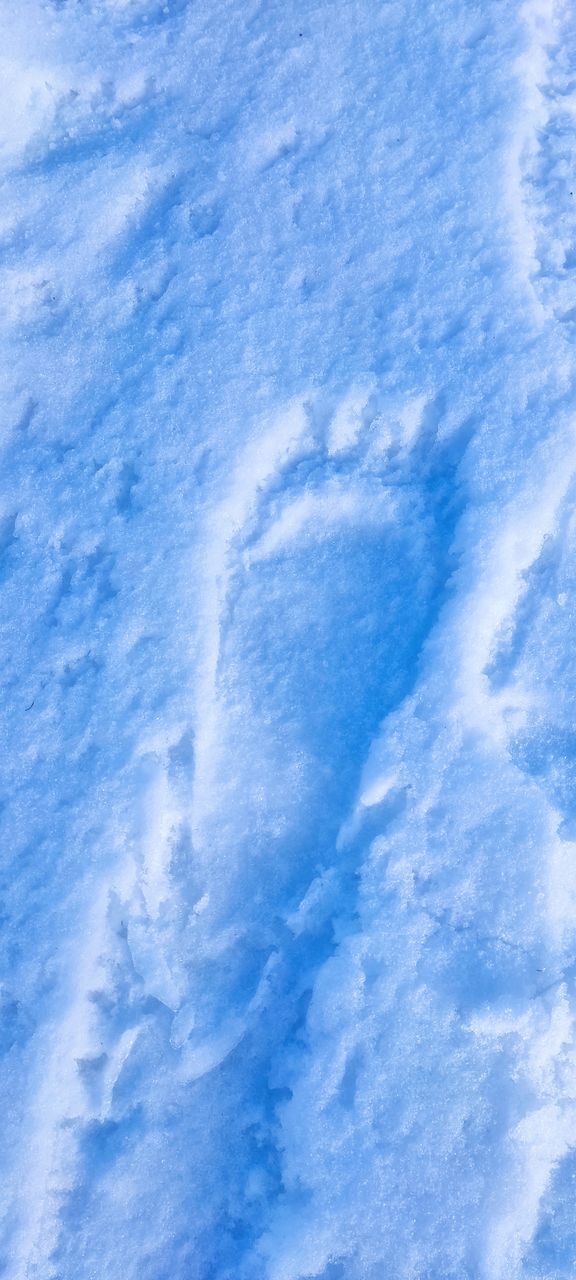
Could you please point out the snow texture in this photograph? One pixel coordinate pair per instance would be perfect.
(288, 604)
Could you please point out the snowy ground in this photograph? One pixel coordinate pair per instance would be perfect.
(288, 570)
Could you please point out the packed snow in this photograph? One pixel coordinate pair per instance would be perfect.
(288, 604)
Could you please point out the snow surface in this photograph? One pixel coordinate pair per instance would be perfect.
(288, 568)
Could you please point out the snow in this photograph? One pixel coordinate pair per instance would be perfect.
(287, 558)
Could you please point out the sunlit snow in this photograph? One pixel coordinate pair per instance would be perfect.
(288, 646)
